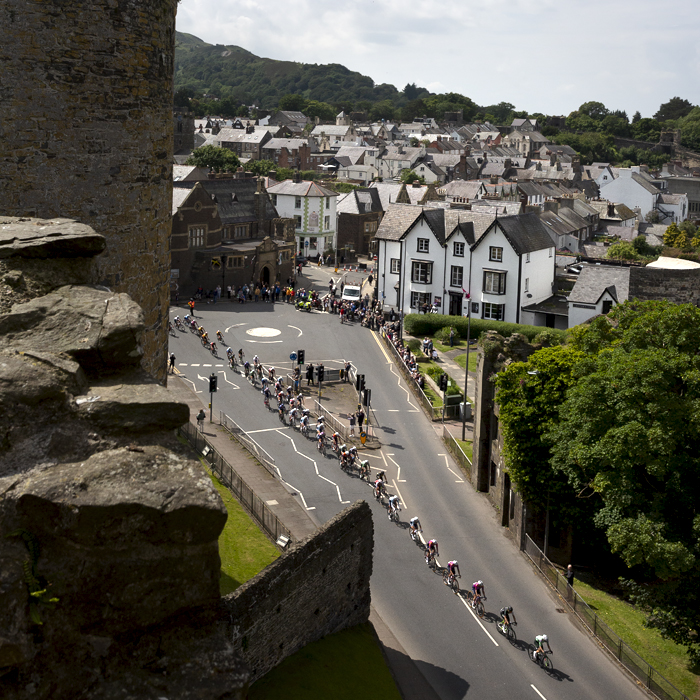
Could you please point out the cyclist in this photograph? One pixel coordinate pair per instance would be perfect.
(344, 457)
(382, 475)
(212, 346)
(280, 410)
(505, 612)
(453, 569)
(378, 486)
(266, 397)
(229, 353)
(293, 415)
(219, 336)
(336, 441)
(177, 321)
(170, 327)
(200, 330)
(353, 454)
(431, 551)
(415, 526)
(255, 361)
(540, 640)
(205, 337)
(364, 468)
(300, 399)
(271, 373)
(304, 424)
(290, 398)
(394, 505)
(246, 367)
(187, 318)
(321, 437)
(478, 590)
(241, 355)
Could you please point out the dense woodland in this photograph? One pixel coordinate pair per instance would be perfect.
(227, 80)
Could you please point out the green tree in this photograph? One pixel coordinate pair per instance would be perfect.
(626, 439)
(322, 110)
(636, 117)
(292, 103)
(218, 159)
(622, 251)
(690, 129)
(260, 167)
(595, 110)
(410, 176)
(675, 108)
(646, 130)
(674, 237)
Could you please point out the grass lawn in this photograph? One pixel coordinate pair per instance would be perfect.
(343, 666)
(466, 446)
(461, 360)
(435, 399)
(668, 658)
(243, 548)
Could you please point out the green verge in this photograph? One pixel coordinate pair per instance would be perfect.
(466, 446)
(243, 548)
(668, 658)
(461, 360)
(343, 666)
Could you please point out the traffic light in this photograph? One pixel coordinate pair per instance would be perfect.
(321, 369)
(300, 357)
(443, 382)
(366, 396)
(359, 382)
(212, 383)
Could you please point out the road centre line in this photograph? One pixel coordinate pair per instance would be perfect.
(538, 692)
(392, 410)
(403, 503)
(468, 607)
(195, 365)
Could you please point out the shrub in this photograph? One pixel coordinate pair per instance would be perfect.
(443, 335)
(429, 324)
(547, 338)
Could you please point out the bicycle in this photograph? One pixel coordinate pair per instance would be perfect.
(321, 444)
(365, 472)
(506, 629)
(393, 513)
(430, 560)
(415, 534)
(477, 605)
(541, 657)
(304, 430)
(220, 336)
(179, 325)
(450, 580)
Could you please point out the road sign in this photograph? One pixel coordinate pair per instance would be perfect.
(293, 356)
(363, 437)
(306, 244)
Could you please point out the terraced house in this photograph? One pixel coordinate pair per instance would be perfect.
(313, 209)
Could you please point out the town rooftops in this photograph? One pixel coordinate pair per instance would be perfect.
(525, 233)
(305, 188)
(593, 281)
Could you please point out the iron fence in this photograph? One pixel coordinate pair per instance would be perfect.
(634, 663)
(426, 403)
(227, 475)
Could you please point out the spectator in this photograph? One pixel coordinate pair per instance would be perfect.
(360, 418)
(452, 337)
(346, 376)
(352, 425)
(309, 374)
(172, 363)
(200, 420)
(570, 575)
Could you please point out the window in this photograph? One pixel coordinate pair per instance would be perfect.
(423, 245)
(475, 307)
(494, 282)
(274, 200)
(422, 272)
(328, 202)
(550, 252)
(607, 305)
(527, 284)
(327, 223)
(459, 250)
(240, 232)
(370, 226)
(395, 266)
(297, 222)
(494, 312)
(234, 262)
(527, 257)
(496, 254)
(297, 202)
(196, 237)
(456, 276)
(420, 298)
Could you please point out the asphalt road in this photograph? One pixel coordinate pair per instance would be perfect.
(460, 655)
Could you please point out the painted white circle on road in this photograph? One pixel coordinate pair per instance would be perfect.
(263, 332)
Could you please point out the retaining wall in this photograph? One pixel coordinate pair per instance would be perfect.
(319, 586)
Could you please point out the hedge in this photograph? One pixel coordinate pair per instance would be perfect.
(428, 324)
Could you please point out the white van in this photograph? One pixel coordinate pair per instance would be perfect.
(351, 293)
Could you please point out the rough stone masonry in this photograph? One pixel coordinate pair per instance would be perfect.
(86, 127)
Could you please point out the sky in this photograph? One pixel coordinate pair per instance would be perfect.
(546, 56)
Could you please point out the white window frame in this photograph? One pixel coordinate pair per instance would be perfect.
(489, 287)
(420, 298)
(493, 312)
(423, 245)
(196, 236)
(495, 254)
(456, 276)
(395, 266)
(297, 222)
(297, 202)
(421, 272)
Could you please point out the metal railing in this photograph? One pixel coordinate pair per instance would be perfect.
(634, 663)
(456, 451)
(258, 452)
(426, 403)
(227, 475)
(330, 420)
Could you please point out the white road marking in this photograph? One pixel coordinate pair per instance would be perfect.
(459, 479)
(392, 410)
(538, 692)
(218, 365)
(182, 364)
(194, 386)
(398, 466)
(195, 365)
(296, 329)
(272, 503)
(474, 615)
(403, 503)
(235, 325)
(313, 461)
(265, 430)
(262, 342)
(367, 454)
(235, 386)
(386, 464)
(206, 365)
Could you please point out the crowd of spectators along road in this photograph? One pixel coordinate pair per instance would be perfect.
(391, 331)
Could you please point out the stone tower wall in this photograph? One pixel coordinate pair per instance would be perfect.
(87, 131)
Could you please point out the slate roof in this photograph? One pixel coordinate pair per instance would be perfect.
(360, 201)
(330, 130)
(465, 189)
(353, 153)
(305, 188)
(180, 194)
(593, 280)
(240, 136)
(648, 186)
(524, 232)
(289, 144)
(388, 192)
(398, 218)
(672, 198)
(240, 208)
(444, 223)
(622, 211)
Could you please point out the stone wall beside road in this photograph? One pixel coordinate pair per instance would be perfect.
(319, 586)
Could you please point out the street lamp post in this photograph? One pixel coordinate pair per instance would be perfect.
(466, 367)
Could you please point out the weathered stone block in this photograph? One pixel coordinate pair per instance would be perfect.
(41, 238)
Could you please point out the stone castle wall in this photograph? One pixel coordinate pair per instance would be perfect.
(652, 284)
(319, 587)
(87, 131)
